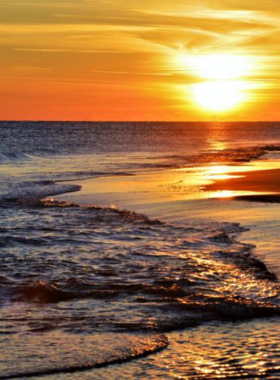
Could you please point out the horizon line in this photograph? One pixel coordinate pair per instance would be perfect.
(135, 121)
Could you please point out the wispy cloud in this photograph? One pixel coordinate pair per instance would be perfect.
(132, 44)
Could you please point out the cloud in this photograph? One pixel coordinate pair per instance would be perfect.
(132, 43)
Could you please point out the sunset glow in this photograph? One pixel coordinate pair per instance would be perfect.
(221, 67)
(96, 60)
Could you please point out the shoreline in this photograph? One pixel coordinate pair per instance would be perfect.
(180, 339)
(171, 202)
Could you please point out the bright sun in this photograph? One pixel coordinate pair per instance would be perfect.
(218, 95)
(223, 87)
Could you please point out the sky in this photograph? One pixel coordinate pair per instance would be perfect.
(128, 60)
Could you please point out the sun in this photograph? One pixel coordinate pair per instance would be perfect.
(218, 96)
(222, 80)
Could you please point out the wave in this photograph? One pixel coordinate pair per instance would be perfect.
(157, 161)
(18, 187)
(13, 157)
(87, 287)
(23, 191)
(68, 252)
(239, 350)
(224, 156)
(32, 191)
(68, 353)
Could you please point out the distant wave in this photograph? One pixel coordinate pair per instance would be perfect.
(240, 155)
(10, 157)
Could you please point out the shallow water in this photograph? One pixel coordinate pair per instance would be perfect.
(94, 285)
(238, 350)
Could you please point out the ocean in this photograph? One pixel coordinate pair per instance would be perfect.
(116, 262)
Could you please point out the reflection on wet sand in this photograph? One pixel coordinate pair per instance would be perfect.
(176, 184)
(255, 185)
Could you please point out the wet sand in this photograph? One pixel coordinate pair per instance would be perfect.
(264, 183)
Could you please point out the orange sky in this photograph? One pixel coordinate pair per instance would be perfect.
(131, 60)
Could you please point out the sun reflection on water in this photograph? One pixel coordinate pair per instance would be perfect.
(217, 145)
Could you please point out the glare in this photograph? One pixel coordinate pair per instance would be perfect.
(223, 79)
(224, 194)
(221, 172)
(220, 67)
(218, 95)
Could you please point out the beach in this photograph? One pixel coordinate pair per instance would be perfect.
(216, 201)
(119, 258)
(197, 195)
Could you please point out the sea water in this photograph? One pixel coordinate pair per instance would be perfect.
(99, 291)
